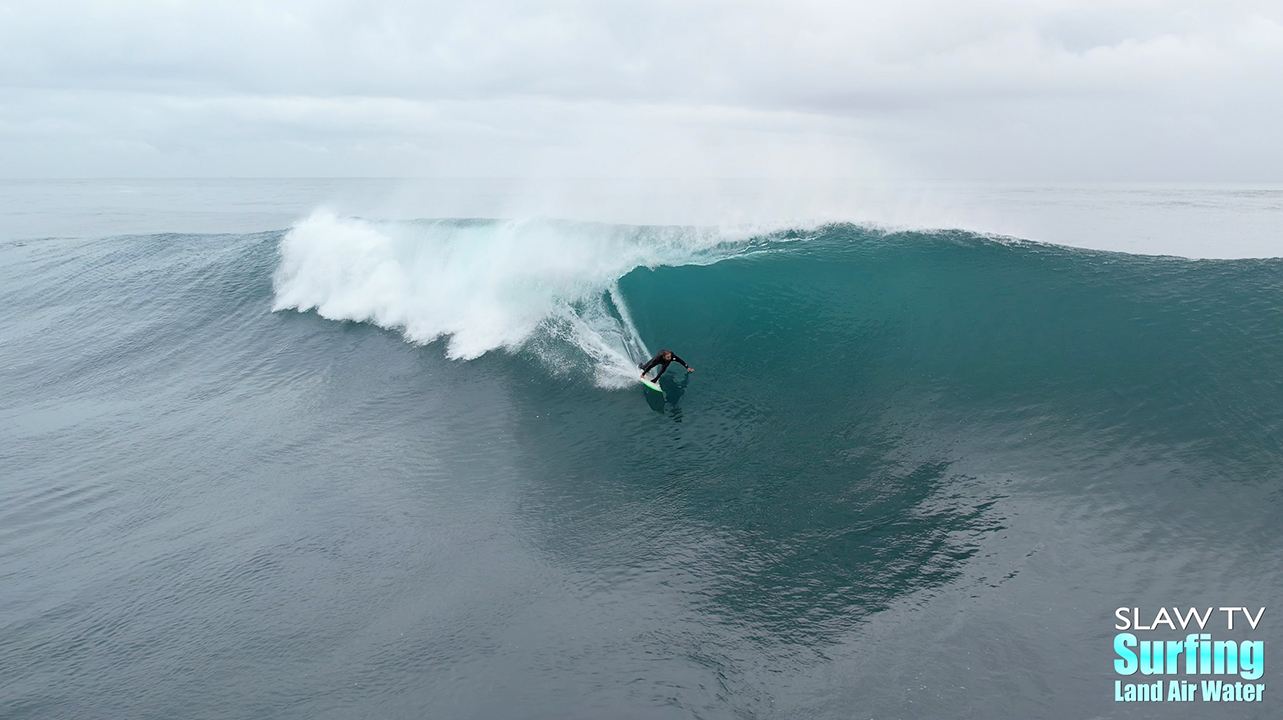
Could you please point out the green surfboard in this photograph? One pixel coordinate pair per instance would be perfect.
(651, 385)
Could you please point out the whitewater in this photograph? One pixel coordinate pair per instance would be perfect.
(493, 285)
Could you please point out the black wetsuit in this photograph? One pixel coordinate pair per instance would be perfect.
(658, 360)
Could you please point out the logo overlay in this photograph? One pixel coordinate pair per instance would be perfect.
(1214, 670)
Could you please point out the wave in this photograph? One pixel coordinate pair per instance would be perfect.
(850, 379)
(1013, 336)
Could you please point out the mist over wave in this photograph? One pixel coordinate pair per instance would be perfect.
(545, 286)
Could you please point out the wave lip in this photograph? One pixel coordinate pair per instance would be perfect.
(487, 284)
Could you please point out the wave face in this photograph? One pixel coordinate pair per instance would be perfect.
(862, 376)
(841, 369)
(823, 306)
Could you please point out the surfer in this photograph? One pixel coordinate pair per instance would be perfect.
(663, 357)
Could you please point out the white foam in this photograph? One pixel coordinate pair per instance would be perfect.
(545, 286)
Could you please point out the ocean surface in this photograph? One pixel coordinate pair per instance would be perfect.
(324, 449)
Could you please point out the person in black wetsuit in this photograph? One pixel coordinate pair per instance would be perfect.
(663, 357)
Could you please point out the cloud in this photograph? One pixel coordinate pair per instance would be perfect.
(987, 88)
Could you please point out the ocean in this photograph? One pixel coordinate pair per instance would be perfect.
(337, 449)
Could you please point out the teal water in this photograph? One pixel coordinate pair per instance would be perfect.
(368, 469)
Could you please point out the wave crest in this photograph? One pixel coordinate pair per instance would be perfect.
(488, 285)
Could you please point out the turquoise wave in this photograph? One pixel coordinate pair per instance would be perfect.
(863, 401)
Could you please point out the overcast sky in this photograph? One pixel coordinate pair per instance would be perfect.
(1179, 90)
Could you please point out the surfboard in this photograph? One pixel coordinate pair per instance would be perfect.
(651, 385)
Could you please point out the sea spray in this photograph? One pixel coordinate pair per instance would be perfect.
(544, 286)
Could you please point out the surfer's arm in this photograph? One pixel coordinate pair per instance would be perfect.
(683, 364)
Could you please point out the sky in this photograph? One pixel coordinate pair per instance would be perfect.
(1046, 90)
